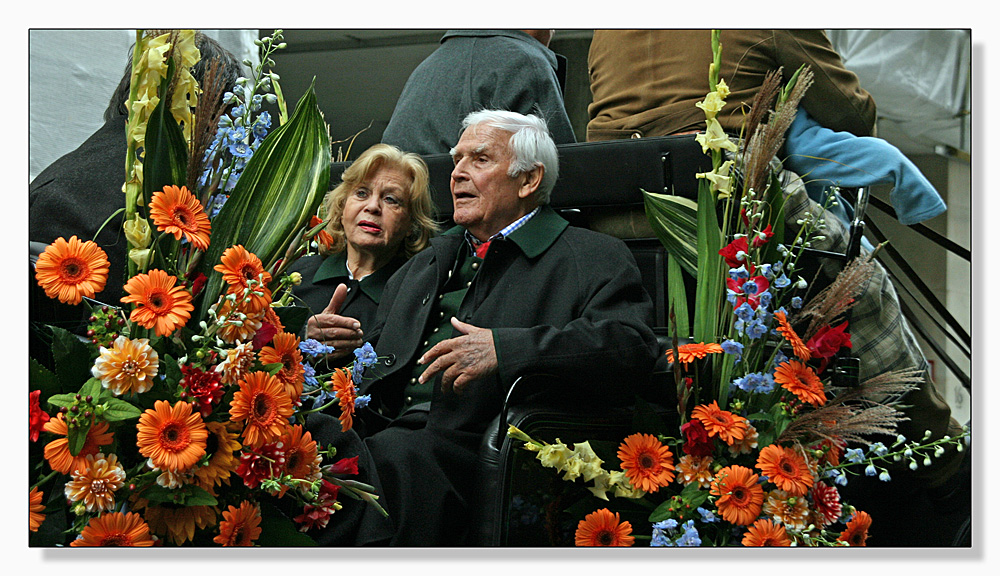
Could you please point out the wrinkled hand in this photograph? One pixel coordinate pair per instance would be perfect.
(461, 360)
(332, 329)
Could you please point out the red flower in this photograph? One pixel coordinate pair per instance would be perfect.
(36, 416)
(737, 286)
(696, 440)
(345, 466)
(732, 249)
(198, 283)
(827, 341)
(826, 501)
(267, 462)
(762, 237)
(318, 515)
(205, 387)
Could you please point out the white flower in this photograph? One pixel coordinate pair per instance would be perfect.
(715, 138)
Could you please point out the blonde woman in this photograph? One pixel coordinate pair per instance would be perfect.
(379, 216)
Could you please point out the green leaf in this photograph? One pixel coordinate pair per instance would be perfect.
(62, 400)
(116, 410)
(776, 202)
(281, 187)
(92, 387)
(41, 378)
(677, 299)
(73, 358)
(662, 512)
(77, 436)
(693, 495)
(674, 220)
(274, 368)
(276, 529)
(188, 495)
(709, 282)
(294, 318)
(164, 160)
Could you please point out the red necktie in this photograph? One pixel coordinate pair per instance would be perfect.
(482, 248)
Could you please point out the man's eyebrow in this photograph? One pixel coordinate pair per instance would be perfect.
(477, 150)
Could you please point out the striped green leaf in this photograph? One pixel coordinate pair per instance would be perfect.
(709, 284)
(282, 185)
(674, 220)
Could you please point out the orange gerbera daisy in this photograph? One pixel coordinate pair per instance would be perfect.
(302, 457)
(237, 321)
(95, 484)
(115, 529)
(343, 387)
(57, 451)
(800, 380)
(692, 469)
(740, 496)
(786, 330)
(648, 464)
(240, 527)
(856, 533)
(176, 211)
(174, 438)
(178, 523)
(785, 468)
(221, 446)
(764, 532)
(35, 509)
(688, 353)
(284, 350)
(261, 402)
(603, 528)
(239, 267)
(70, 270)
(159, 302)
(128, 366)
(727, 426)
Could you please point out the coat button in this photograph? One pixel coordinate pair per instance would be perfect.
(475, 265)
(409, 399)
(426, 298)
(390, 359)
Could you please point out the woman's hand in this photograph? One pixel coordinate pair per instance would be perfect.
(332, 329)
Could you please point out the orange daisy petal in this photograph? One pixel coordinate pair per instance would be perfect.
(115, 529)
(35, 509)
(727, 426)
(173, 437)
(71, 270)
(346, 393)
(159, 302)
(284, 350)
(262, 404)
(740, 496)
(856, 533)
(786, 330)
(688, 353)
(57, 451)
(800, 380)
(240, 527)
(603, 528)
(765, 532)
(647, 463)
(785, 468)
(238, 267)
(176, 211)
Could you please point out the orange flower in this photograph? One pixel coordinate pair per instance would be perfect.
(695, 469)
(603, 528)
(223, 460)
(115, 529)
(71, 270)
(174, 438)
(176, 211)
(127, 366)
(243, 271)
(284, 350)
(237, 362)
(159, 303)
(240, 527)
(237, 320)
(57, 452)
(343, 387)
(727, 426)
(323, 238)
(688, 353)
(785, 468)
(35, 509)
(96, 483)
(177, 523)
(786, 330)
(800, 380)
(261, 402)
(740, 496)
(302, 458)
(647, 462)
(856, 533)
(793, 512)
(764, 532)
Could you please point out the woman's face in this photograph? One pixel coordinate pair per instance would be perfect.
(376, 215)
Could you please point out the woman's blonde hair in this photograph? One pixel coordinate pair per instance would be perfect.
(418, 201)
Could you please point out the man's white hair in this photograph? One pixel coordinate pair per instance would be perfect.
(530, 143)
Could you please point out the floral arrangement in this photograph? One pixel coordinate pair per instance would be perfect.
(178, 417)
(767, 430)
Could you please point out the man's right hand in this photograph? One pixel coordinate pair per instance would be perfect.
(332, 329)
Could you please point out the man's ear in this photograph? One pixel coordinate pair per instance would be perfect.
(532, 180)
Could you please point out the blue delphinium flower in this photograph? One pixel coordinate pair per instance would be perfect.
(766, 384)
(854, 455)
(744, 312)
(261, 125)
(779, 357)
(357, 372)
(782, 281)
(764, 299)
(362, 401)
(690, 536)
(314, 348)
(322, 398)
(660, 536)
(870, 470)
(878, 449)
(310, 374)
(733, 348)
(218, 201)
(366, 354)
(884, 476)
(756, 329)
(739, 273)
(707, 515)
(796, 302)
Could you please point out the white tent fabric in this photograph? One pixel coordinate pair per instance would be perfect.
(920, 80)
(72, 74)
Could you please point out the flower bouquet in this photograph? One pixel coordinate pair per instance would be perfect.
(769, 426)
(178, 416)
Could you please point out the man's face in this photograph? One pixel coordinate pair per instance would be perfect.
(485, 198)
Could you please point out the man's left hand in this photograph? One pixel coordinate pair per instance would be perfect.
(461, 360)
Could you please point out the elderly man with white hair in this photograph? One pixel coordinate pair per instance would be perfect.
(511, 290)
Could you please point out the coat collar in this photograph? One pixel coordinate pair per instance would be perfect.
(334, 267)
(534, 238)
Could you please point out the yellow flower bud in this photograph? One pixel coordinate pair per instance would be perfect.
(140, 257)
(138, 233)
